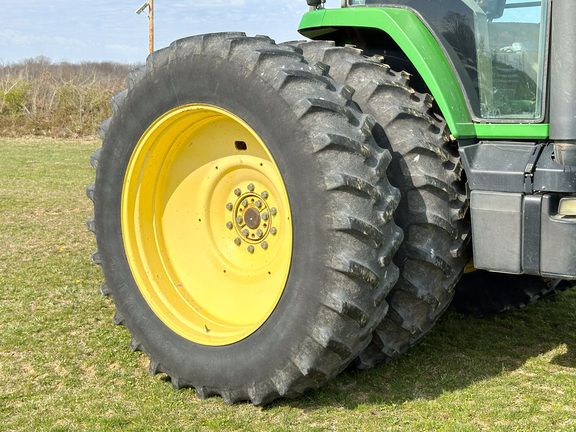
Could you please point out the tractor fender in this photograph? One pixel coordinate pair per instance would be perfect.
(417, 41)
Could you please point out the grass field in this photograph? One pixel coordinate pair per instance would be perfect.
(64, 366)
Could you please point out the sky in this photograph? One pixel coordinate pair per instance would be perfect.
(110, 30)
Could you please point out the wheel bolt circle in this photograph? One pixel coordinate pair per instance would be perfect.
(249, 209)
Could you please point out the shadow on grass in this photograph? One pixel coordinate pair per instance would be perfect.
(460, 351)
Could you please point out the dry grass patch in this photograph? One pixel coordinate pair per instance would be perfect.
(38, 97)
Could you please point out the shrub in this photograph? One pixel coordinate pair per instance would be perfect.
(64, 100)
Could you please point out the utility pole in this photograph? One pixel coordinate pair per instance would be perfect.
(151, 25)
(150, 5)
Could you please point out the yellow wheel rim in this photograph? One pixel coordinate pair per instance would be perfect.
(206, 224)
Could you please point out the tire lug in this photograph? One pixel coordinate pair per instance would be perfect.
(251, 249)
(229, 206)
(264, 245)
(251, 187)
(229, 225)
(237, 192)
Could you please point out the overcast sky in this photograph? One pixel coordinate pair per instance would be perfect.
(99, 30)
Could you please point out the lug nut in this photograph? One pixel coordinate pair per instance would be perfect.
(229, 206)
(237, 192)
(273, 211)
(264, 245)
(245, 233)
(237, 241)
(229, 225)
(239, 220)
(258, 203)
(251, 249)
(259, 233)
(251, 187)
(264, 194)
(273, 230)
(244, 203)
(265, 216)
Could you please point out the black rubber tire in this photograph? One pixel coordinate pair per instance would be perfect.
(426, 168)
(481, 292)
(344, 236)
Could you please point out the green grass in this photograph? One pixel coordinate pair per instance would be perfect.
(65, 367)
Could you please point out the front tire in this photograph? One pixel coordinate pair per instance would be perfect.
(243, 218)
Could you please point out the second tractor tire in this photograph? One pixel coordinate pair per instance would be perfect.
(426, 169)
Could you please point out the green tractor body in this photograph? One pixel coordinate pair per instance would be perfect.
(487, 65)
(269, 214)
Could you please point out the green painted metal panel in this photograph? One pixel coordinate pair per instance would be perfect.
(512, 131)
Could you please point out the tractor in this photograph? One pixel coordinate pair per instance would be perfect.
(267, 215)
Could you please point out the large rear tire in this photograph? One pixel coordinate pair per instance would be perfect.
(243, 218)
(426, 168)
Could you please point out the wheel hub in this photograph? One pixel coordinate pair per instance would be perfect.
(252, 217)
